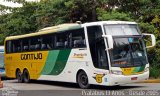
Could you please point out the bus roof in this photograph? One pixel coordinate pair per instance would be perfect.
(63, 27)
(53, 29)
(108, 22)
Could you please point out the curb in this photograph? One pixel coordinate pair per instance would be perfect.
(151, 81)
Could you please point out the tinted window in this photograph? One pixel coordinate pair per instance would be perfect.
(78, 38)
(61, 40)
(25, 44)
(35, 43)
(16, 46)
(8, 47)
(47, 42)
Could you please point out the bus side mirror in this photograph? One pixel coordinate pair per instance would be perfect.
(109, 41)
(152, 38)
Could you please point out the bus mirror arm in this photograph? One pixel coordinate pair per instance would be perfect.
(109, 41)
(152, 38)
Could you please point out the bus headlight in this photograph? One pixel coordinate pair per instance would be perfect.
(146, 69)
(116, 72)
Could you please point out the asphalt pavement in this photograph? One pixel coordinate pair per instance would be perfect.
(50, 88)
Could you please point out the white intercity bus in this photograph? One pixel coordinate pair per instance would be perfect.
(101, 53)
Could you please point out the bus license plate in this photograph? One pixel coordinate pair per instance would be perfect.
(134, 78)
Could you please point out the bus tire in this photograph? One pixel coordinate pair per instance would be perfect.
(19, 76)
(82, 80)
(26, 76)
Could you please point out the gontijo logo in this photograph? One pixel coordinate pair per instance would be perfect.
(33, 56)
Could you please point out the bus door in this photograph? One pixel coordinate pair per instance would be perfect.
(97, 47)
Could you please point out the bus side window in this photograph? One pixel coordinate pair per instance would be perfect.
(47, 42)
(78, 38)
(43, 46)
(16, 46)
(62, 40)
(8, 47)
(66, 44)
(37, 46)
(35, 43)
(25, 48)
(78, 43)
(32, 47)
(59, 44)
(25, 44)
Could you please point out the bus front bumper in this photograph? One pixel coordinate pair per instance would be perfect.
(122, 79)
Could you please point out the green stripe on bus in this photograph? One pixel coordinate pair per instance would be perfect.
(138, 69)
(70, 28)
(50, 62)
(61, 62)
(141, 68)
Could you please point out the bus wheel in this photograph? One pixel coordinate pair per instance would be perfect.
(82, 80)
(19, 76)
(26, 76)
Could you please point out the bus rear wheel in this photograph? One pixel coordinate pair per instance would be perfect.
(19, 76)
(26, 76)
(82, 80)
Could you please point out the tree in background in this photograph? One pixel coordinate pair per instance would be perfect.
(20, 21)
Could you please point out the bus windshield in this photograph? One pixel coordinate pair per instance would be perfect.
(122, 29)
(128, 51)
